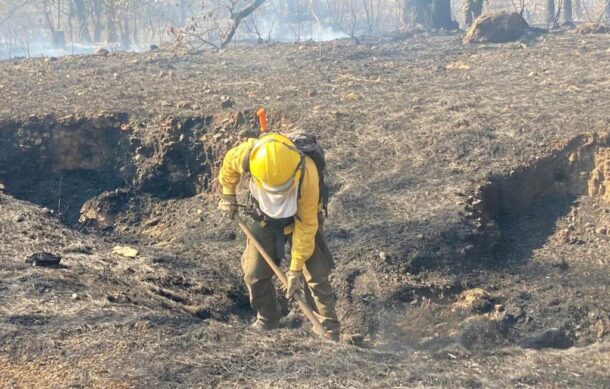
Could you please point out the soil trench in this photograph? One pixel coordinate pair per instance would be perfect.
(548, 221)
(65, 164)
(577, 169)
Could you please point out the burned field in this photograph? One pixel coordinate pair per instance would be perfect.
(470, 215)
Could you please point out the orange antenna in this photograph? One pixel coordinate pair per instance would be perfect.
(262, 119)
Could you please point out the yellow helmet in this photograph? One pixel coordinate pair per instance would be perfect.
(275, 164)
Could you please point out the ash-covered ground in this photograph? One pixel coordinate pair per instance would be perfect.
(470, 215)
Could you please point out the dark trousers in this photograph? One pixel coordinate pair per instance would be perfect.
(257, 275)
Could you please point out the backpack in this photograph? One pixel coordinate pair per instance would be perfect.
(307, 144)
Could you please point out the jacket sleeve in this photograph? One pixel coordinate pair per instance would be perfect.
(306, 221)
(232, 167)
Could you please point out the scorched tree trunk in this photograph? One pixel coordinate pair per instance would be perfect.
(550, 13)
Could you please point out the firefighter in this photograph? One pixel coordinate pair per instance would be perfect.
(285, 191)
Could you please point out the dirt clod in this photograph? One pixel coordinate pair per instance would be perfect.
(226, 102)
(44, 259)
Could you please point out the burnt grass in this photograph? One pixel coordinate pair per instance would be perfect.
(453, 169)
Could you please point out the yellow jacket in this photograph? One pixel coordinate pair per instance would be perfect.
(305, 227)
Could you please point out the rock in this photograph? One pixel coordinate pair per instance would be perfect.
(602, 231)
(102, 52)
(154, 47)
(226, 102)
(550, 338)
(496, 28)
(75, 296)
(125, 251)
(44, 259)
(1, 188)
(50, 59)
(19, 218)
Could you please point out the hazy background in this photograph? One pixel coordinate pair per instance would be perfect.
(60, 27)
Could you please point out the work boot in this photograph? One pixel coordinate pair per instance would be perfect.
(261, 325)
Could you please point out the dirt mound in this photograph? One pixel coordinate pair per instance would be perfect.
(474, 300)
(593, 28)
(496, 28)
(101, 211)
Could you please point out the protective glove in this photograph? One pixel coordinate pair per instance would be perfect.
(295, 283)
(228, 205)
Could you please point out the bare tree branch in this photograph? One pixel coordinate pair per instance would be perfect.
(237, 18)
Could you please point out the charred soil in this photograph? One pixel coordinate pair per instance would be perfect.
(469, 218)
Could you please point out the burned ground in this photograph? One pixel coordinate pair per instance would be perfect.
(469, 218)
